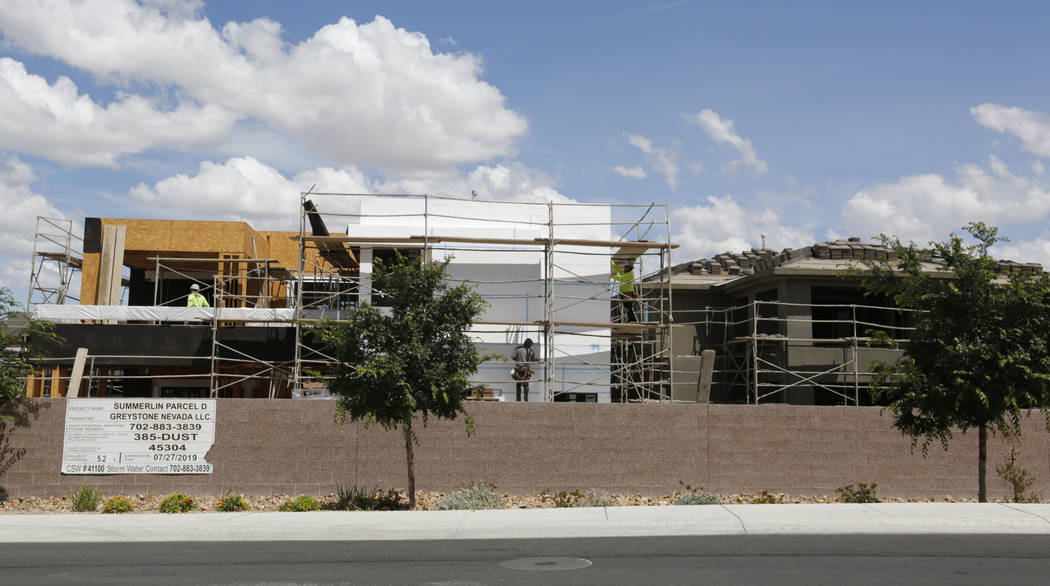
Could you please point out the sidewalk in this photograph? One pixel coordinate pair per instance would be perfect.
(822, 519)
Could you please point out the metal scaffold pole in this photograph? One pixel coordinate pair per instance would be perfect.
(754, 346)
(297, 370)
(217, 299)
(548, 308)
(667, 318)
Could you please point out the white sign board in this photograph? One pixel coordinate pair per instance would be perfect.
(138, 436)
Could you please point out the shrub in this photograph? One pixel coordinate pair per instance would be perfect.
(303, 502)
(85, 499)
(563, 499)
(232, 503)
(765, 498)
(118, 504)
(177, 503)
(596, 498)
(357, 499)
(587, 498)
(698, 497)
(862, 494)
(1019, 479)
(477, 495)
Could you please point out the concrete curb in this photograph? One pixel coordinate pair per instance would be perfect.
(803, 519)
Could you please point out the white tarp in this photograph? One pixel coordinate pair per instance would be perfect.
(156, 313)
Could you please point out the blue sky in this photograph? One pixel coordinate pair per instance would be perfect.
(801, 120)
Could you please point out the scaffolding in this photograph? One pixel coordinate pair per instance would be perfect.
(757, 361)
(632, 359)
(56, 260)
(544, 268)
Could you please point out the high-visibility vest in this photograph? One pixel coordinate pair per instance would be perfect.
(626, 279)
(196, 300)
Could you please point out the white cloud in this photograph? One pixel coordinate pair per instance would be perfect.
(635, 172)
(662, 160)
(19, 207)
(505, 182)
(1036, 250)
(1033, 128)
(722, 131)
(724, 225)
(57, 122)
(365, 94)
(244, 188)
(926, 207)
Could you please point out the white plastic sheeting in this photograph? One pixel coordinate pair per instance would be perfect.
(155, 313)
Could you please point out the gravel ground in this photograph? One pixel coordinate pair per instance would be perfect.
(148, 503)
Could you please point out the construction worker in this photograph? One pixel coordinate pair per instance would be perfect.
(523, 358)
(196, 299)
(625, 277)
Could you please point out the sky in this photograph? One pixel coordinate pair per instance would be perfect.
(801, 121)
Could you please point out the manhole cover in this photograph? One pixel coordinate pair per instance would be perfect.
(546, 564)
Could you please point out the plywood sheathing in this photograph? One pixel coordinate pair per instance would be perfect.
(148, 239)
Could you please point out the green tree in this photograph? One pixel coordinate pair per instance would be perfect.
(21, 343)
(411, 358)
(978, 357)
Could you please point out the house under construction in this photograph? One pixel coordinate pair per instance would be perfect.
(543, 267)
(793, 326)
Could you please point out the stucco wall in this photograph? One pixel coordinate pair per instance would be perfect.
(291, 447)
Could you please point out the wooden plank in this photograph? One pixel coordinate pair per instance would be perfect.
(707, 368)
(117, 266)
(111, 265)
(73, 390)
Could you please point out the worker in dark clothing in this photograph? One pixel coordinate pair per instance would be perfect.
(523, 358)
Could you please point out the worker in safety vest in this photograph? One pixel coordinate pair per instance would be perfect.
(625, 277)
(196, 299)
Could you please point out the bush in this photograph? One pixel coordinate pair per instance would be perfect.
(596, 498)
(232, 503)
(118, 504)
(85, 499)
(303, 502)
(563, 499)
(587, 498)
(476, 496)
(698, 497)
(765, 498)
(862, 494)
(177, 503)
(357, 499)
(1019, 479)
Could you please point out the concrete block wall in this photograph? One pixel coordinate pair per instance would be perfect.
(291, 447)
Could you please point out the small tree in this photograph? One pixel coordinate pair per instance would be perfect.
(410, 358)
(979, 353)
(21, 339)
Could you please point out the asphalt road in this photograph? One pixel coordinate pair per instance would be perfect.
(735, 559)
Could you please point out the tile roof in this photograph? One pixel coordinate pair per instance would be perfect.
(758, 260)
